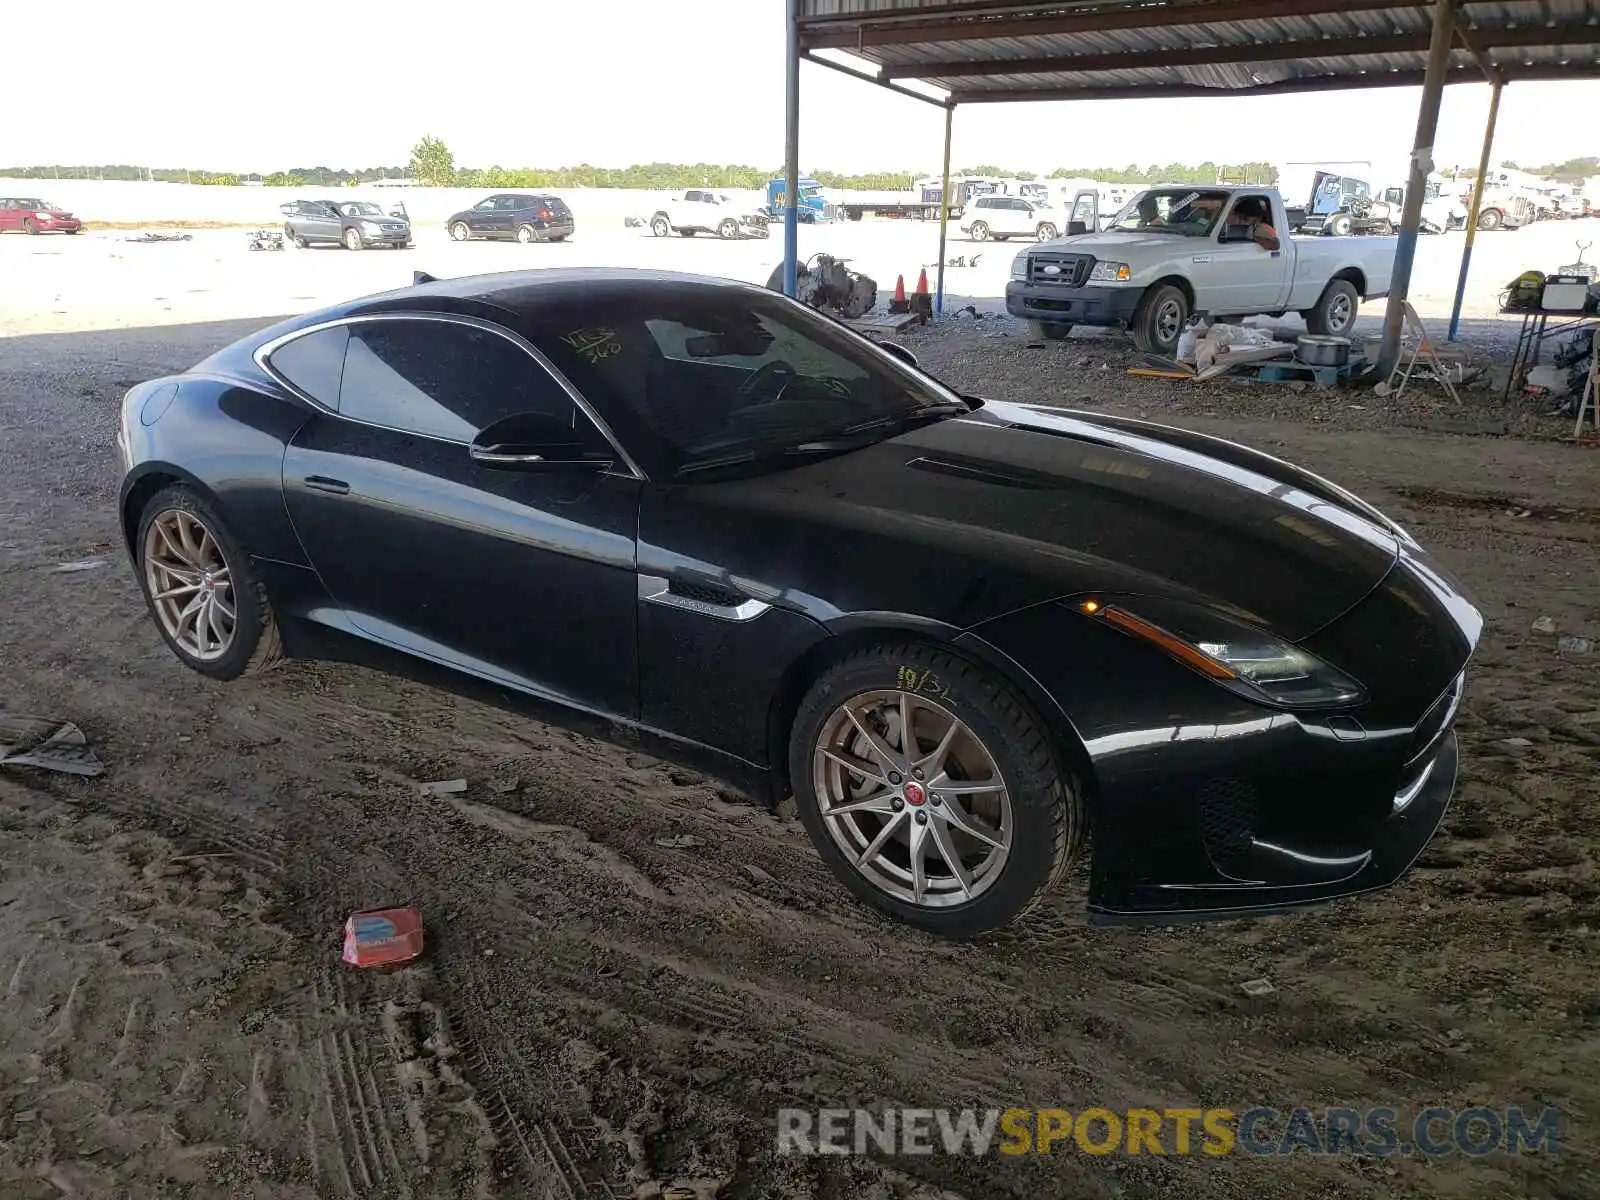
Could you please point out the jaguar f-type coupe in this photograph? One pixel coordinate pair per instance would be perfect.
(970, 637)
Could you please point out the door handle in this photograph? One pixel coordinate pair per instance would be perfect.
(321, 483)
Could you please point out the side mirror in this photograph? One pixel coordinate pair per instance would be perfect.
(1076, 227)
(539, 442)
(899, 352)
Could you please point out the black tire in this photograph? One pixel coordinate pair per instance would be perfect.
(352, 240)
(660, 226)
(560, 237)
(1336, 310)
(979, 231)
(256, 645)
(1160, 319)
(1049, 331)
(460, 231)
(1491, 219)
(728, 230)
(1046, 803)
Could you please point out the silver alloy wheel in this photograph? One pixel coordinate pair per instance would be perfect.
(1046, 231)
(459, 232)
(1339, 313)
(525, 234)
(1169, 321)
(190, 586)
(913, 798)
(979, 232)
(352, 239)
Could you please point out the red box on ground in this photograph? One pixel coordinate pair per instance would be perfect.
(381, 937)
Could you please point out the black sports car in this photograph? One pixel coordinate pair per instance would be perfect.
(968, 635)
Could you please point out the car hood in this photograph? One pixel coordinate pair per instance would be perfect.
(1012, 505)
(1124, 243)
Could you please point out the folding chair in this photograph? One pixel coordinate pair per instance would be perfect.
(1589, 401)
(1414, 348)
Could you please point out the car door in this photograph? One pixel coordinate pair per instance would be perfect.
(1240, 277)
(508, 571)
(323, 223)
(10, 215)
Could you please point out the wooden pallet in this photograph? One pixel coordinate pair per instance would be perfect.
(882, 323)
(1291, 371)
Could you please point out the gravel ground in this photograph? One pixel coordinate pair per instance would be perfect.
(630, 968)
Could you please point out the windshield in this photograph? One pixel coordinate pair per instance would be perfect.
(1189, 212)
(359, 209)
(709, 382)
(810, 193)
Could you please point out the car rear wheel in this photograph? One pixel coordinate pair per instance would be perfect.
(526, 234)
(1160, 320)
(728, 230)
(208, 604)
(1335, 313)
(979, 232)
(660, 226)
(352, 239)
(930, 791)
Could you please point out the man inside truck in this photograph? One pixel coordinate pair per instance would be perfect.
(1251, 217)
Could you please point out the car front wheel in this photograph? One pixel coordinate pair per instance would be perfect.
(979, 232)
(459, 231)
(208, 604)
(1160, 320)
(930, 791)
(352, 239)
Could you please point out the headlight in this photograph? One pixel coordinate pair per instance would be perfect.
(370, 226)
(1235, 654)
(1019, 266)
(44, 216)
(1108, 272)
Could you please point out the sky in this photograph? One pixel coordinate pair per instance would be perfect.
(225, 85)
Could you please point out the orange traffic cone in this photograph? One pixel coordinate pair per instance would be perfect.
(922, 302)
(899, 304)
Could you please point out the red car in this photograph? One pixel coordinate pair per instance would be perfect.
(32, 215)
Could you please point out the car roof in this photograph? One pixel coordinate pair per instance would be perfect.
(520, 291)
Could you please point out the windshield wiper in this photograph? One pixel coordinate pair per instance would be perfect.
(904, 420)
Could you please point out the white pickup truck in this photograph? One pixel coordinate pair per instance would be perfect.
(1176, 251)
(700, 210)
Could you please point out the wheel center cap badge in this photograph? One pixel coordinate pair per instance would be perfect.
(915, 796)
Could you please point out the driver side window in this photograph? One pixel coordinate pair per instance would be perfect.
(444, 379)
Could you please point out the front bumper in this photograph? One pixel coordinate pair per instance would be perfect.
(59, 225)
(1106, 306)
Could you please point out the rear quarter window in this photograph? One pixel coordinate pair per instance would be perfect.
(313, 363)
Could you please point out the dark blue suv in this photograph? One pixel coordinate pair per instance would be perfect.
(526, 216)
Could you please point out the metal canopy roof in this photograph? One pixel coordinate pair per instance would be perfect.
(999, 50)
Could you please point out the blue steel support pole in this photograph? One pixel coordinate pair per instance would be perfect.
(791, 146)
(1477, 206)
(944, 208)
(1405, 253)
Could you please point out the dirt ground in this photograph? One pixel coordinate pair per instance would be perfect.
(631, 969)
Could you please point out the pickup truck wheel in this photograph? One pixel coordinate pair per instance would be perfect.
(1046, 231)
(728, 230)
(1490, 219)
(1160, 319)
(660, 226)
(1049, 331)
(979, 232)
(1335, 313)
